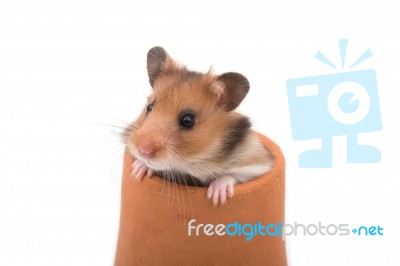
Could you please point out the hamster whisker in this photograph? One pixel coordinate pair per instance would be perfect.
(175, 188)
(121, 134)
(180, 158)
(185, 183)
(120, 120)
(167, 178)
(110, 125)
(174, 179)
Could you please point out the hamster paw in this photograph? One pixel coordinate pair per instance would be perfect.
(220, 188)
(140, 170)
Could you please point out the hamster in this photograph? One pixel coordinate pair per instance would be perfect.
(188, 131)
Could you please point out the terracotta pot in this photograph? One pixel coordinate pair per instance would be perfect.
(155, 214)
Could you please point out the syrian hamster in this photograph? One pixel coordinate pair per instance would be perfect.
(188, 131)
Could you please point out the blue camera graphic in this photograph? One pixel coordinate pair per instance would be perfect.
(325, 106)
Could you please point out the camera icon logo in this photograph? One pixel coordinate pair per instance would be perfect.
(325, 106)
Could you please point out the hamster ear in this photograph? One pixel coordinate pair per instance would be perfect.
(158, 61)
(230, 88)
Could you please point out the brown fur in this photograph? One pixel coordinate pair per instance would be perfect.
(218, 130)
(177, 91)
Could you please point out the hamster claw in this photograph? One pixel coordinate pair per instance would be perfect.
(220, 189)
(140, 170)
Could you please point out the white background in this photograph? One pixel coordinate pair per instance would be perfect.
(69, 69)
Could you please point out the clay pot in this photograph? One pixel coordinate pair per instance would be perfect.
(155, 214)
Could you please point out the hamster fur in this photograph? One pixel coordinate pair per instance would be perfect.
(189, 132)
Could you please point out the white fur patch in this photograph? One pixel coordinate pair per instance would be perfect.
(248, 172)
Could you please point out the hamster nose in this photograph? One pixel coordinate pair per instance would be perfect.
(147, 149)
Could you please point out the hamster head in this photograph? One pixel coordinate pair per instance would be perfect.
(188, 118)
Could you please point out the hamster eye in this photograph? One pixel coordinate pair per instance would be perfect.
(187, 120)
(150, 106)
